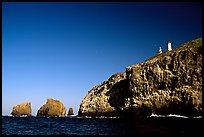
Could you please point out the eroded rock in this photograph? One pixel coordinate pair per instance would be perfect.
(22, 109)
(52, 108)
(105, 98)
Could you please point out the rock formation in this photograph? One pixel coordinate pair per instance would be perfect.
(52, 108)
(168, 83)
(22, 109)
(70, 112)
(105, 98)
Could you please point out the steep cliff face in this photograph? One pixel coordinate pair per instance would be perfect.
(22, 109)
(52, 108)
(168, 83)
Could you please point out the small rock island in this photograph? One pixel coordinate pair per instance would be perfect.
(23, 109)
(52, 108)
(70, 112)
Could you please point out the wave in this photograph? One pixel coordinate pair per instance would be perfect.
(172, 115)
(17, 116)
(96, 117)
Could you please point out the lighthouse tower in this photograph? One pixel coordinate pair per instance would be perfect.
(169, 45)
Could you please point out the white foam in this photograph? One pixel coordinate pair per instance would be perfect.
(105, 117)
(170, 115)
(198, 117)
(155, 115)
(95, 117)
(24, 116)
(173, 115)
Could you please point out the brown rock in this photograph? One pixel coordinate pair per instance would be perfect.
(105, 98)
(22, 109)
(52, 108)
(70, 112)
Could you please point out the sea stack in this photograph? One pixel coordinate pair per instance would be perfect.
(23, 109)
(70, 112)
(52, 108)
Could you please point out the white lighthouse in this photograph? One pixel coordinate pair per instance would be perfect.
(169, 45)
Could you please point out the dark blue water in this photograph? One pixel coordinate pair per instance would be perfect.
(99, 126)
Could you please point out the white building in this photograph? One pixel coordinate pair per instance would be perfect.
(160, 50)
(169, 45)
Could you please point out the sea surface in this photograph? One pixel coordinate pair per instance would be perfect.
(101, 126)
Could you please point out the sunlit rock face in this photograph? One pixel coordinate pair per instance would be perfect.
(23, 109)
(105, 98)
(52, 108)
(168, 83)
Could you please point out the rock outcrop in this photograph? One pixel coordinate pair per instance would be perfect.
(168, 83)
(52, 108)
(70, 112)
(104, 99)
(22, 109)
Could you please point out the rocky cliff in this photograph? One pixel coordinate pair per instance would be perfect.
(22, 109)
(105, 98)
(52, 108)
(168, 83)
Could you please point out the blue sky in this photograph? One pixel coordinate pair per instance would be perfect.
(62, 50)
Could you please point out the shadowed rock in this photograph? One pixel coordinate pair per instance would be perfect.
(52, 108)
(70, 112)
(170, 83)
(22, 109)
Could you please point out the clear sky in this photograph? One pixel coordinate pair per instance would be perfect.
(62, 50)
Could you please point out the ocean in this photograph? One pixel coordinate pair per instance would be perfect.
(101, 126)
